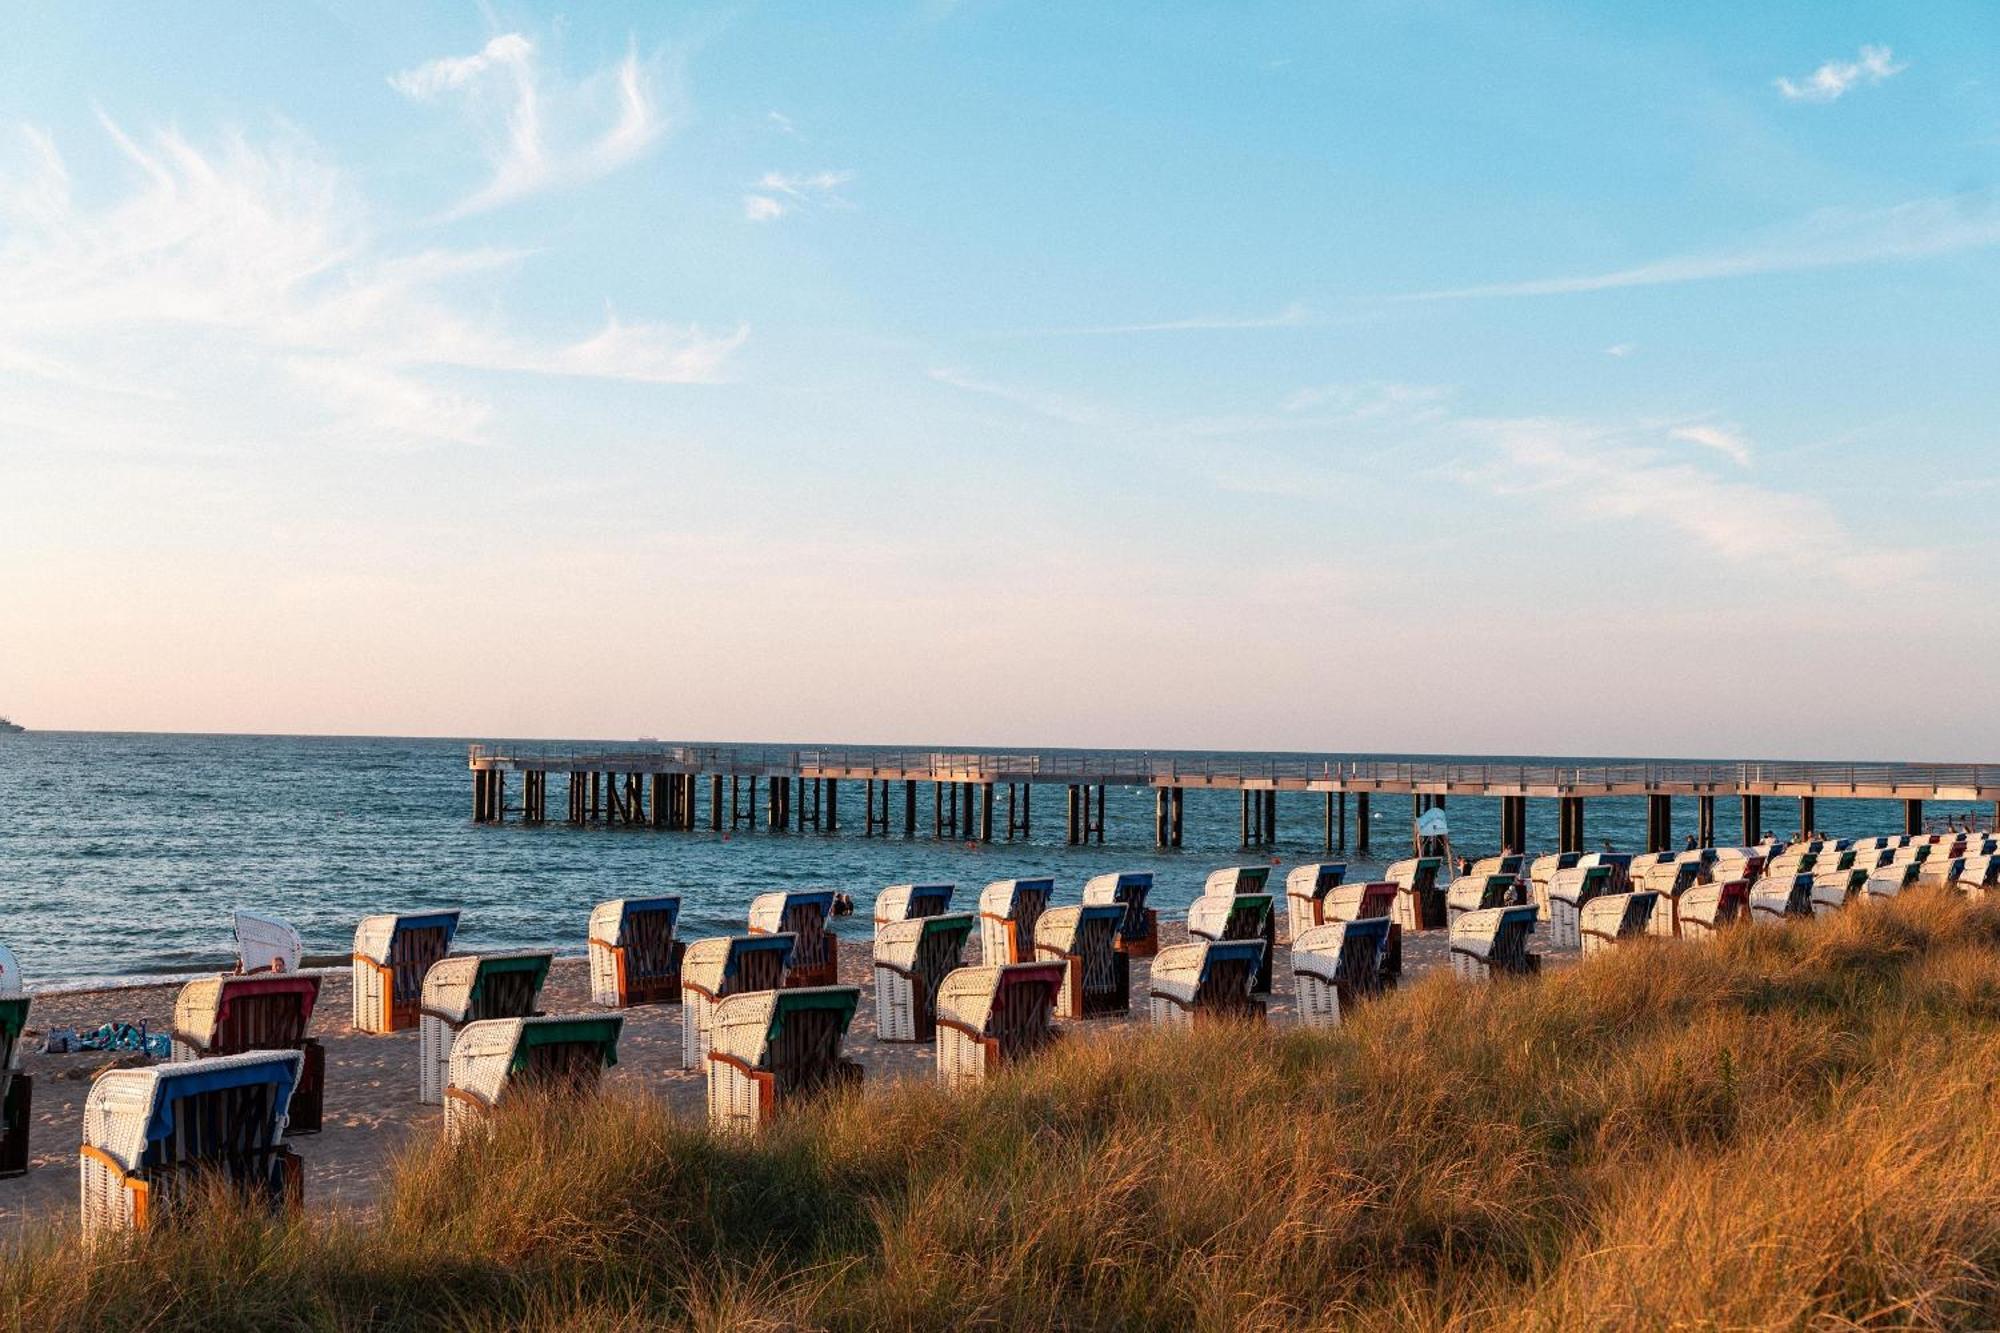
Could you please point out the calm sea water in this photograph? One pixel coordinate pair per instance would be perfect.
(123, 855)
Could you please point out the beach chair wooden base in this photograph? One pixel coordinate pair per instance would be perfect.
(1142, 945)
(16, 1114)
(149, 1197)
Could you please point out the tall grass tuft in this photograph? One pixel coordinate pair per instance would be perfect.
(1793, 1128)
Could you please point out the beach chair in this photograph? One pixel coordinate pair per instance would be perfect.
(1734, 863)
(1493, 940)
(906, 902)
(391, 955)
(1611, 917)
(1139, 936)
(1306, 888)
(1236, 914)
(774, 1048)
(1365, 902)
(470, 988)
(1335, 965)
(802, 914)
(1890, 880)
(1474, 893)
(1542, 872)
(911, 959)
(1941, 871)
(1619, 863)
(1507, 863)
(1707, 908)
(1008, 910)
(1980, 875)
(155, 1136)
(266, 944)
(257, 1011)
(1671, 882)
(1097, 979)
(1774, 898)
(1569, 892)
(634, 957)
(17, 1090)
(1207, 981)
(991, 1017)
(1834, 889)
(715, 969)
(564, 1054)
(1419, 902)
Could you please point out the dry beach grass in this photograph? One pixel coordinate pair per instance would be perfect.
(1789, 1128)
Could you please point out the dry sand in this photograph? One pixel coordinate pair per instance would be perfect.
(371, 1081)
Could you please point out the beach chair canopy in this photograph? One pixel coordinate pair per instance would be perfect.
(493, 1055)
(266, 944)
(1542, 868)
(1469, 893)
(1008, 910)
(1006, 1009)
(10, 972)
(1310, 883)
(379, 938)
(13, 1021)
(634, 924)
(1236, 879)
(728, 964)
(1344, 953)
(1493, 939)
(1210, 975)
(1130, 888)
(467, 987)
(1358, 902)
(1069, 930)
(230, 1014)
(794, 1035)
(926, 946)
(1230, 915)
(1579, 884)
(1617, 916)
(1507, 863)
(197, 1110)
(901, 902)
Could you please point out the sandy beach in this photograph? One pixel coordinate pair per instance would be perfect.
(371, 1081)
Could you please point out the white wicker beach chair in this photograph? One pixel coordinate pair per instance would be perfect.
(1008, 910)
(1139, 936)
(1611, 917)
(1941, 871)
(392, 952)
(1306, 888)
(717, 968)
(1420, 901)
(1619, 863)
(773, 1048)
(1334, 965)
(492, 1058)
(634, 957)
(1775, 898)
(1980, 875)
(1207, 981)
(1493, 940)
(1733, 863)
(1474, 893)
(1708, 908)
(17, 1090)
(147, 1132)
(1509, 864)
(1890, 880)
(1237, 879)
(912, 958)
(266, 944)
(906, 902)
(1237, 914)
(1542, 872)
(1671, 882)
(233, 1014)
(1365, 902)
(803, 914)
(1569, 891)
(469, 988)
(991, 1017)
(1834, 889)
(1097, 978)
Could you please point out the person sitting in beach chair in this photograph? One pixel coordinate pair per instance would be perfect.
(468, 988)
(1493, 940)
(1097, 979)
(1611, 917)
(912, 958)
(1365, 902)
(154, 1137)
(1207, 981)
(775, 1048)
(1419, 901)
(1008, 910)
(1569, 892)
(991, 1017)
(1306, 888)
(257, 1011)
(266, 944)
(1335, 965)
(907, 902)
(1139, 936)
(1775, 898)
(1707, 908)
(391, 955)
(493, 1058)
(1234, 906)
(717, 968)
(802, 914)
(634, 957)
(1474, 893)
(17, 1090)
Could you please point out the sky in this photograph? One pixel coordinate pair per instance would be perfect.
(1437, 377)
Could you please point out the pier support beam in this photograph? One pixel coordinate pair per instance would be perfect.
(1808, 817)
(1659, 823)
(910, 808)
(1569, 824)
(833, 805)
(1161, 800)
(1705, 821)
(1361, 830)
(1913, 816)
(986, 812)
(1753, 820)
(1514, 824)
(1270, 816)
(1076, 815)
(715, 802)
(1179, 807)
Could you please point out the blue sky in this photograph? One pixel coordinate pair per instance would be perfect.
(1447, 377)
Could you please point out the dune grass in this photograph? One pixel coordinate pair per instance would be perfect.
(1786, 1128)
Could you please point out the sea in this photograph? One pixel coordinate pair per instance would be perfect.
(122, 856)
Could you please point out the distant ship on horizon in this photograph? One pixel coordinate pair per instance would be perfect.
(10, 727)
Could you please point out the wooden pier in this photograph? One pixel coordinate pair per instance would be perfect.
(688, 787)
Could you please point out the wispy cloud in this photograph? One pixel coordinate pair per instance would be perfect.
(542, 132)
(1725, 440)
(1035, 401)
(1292, 316)
(1836, 78)
(1621, 350)
(1831, 238)
(781, 122)
(780, 193)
